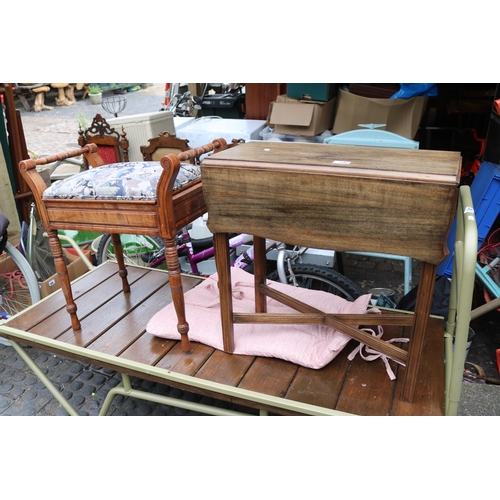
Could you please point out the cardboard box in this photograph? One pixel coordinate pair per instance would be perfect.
(312, 91)
(268, 134)
(376, 90)
(291, 116)
(76, 268)
(400, 116)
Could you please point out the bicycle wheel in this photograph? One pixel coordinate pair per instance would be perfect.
(18, 284)
(139, 250)
(321, 278)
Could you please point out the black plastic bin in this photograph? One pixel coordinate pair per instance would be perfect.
(224, 105)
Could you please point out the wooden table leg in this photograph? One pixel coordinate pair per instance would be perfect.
(62, 272)
(422, 311)
(174, 271)
(259, 246)
(122, 270)
(223, 264)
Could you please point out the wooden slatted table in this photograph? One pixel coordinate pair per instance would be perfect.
(113, 336)
(346, 198)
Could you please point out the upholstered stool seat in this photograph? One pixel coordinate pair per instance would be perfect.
(147, 198)
(120, 181)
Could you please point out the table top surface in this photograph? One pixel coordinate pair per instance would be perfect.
(442, 167)
(393, 201)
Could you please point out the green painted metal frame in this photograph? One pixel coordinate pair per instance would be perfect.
(462, 290)
(166, 376)
(125, 387)
(44, 379)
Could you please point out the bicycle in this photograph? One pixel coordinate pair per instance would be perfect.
(488, 267)
(184, 104)
(18, 283)
(290, 268)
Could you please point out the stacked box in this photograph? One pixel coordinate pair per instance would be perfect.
(485, 192)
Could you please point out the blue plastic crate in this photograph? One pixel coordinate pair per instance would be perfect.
(485, 191)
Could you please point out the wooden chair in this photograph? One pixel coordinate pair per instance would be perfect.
(175, 199)
(164, 144)
(111, 145)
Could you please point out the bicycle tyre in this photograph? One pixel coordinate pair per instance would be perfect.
(316, 277)
(14, 300)
(137, 249)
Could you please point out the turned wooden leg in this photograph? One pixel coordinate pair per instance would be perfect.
(221, 248)
(421, 317)
(122, 270)
(174, 272)
(62, 272)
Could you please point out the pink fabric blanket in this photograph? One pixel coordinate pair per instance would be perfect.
(312, 346)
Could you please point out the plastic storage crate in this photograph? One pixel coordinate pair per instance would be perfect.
(268, 134)
(142, 127)
(485, 191)
(207, 128)
(180, 122)
(374, 138)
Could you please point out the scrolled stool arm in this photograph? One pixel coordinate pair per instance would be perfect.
(44, 160)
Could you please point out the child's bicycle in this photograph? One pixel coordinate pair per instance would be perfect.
(289, 264)
(18, 283)
(488, 268)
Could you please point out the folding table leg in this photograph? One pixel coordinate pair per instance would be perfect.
(421, 317)
(222, 261)
(259, 245)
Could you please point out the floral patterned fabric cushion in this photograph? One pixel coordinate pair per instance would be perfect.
(119, 181)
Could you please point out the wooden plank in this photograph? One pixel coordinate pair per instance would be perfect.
(187, 363)
(147, 349)
(120, 336)
(144, 348)
(105, 315)
(270, 376)
(234, 368)
(318, 318)
(117, 338)
(367, 389)
(59, 322)
(428, 164)
(428, 398)
(321, 387)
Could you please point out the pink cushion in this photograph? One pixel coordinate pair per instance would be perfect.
(312, 346)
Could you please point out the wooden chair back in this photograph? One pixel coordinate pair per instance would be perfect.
(162, 145)
(235, 142)
(111, 145)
